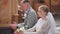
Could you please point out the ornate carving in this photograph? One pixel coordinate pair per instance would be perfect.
(3, 1)
(3, 14)
(2, 4)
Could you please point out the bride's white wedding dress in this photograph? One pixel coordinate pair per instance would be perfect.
(46, 26)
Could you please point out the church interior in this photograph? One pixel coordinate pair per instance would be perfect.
(10, 12)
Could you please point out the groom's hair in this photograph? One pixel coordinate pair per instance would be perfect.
(25, 1)
(44, 8)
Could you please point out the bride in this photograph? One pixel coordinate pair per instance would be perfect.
(45, 24)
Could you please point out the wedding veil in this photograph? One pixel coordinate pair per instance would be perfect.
(53, 25)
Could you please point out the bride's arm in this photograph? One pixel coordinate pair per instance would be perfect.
(41, 30)
(31, 29)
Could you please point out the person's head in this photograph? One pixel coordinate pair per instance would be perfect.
(42, 11)
(25, 5)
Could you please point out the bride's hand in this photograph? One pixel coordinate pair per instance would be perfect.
(20, 32)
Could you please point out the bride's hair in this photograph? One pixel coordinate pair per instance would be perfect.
(44, 8)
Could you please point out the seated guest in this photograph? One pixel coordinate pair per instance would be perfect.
(44, 25)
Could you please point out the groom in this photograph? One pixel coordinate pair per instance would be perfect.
(30, 16)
